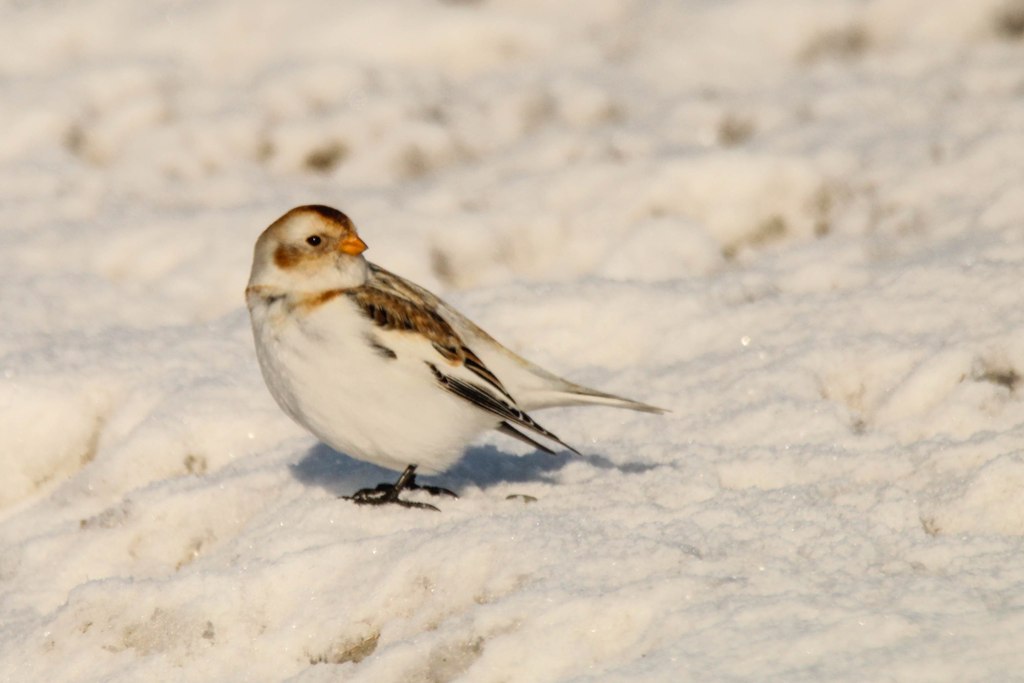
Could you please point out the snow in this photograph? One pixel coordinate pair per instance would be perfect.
(797, 225)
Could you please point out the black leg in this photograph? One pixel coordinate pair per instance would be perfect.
(387, 494)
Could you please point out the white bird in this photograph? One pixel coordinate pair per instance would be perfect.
(379, 368)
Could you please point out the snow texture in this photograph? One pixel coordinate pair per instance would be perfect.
(798, 224)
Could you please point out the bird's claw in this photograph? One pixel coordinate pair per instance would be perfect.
(432, 490)
(387, 494)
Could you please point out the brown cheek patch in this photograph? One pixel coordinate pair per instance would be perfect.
(286, 257)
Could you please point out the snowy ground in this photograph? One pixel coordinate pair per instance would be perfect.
(796, 224)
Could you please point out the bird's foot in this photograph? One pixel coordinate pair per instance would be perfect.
(387, 494)
(432, 490)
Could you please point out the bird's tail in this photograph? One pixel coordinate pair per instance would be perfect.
(566, 393)
(531, 385)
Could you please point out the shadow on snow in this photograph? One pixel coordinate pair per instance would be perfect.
(481, 466)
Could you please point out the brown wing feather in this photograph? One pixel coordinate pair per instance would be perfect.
(391, 311)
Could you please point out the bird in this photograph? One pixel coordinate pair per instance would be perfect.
(379, 368)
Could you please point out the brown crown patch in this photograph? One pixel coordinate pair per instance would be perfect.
(328, 213)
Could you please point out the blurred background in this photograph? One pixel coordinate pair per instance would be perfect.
(145, 145)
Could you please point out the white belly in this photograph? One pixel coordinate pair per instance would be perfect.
(323, 372)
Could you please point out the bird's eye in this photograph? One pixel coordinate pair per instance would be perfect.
(313, 240)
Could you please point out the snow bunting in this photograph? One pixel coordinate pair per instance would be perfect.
(381, 369)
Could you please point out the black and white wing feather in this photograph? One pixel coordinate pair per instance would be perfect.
(396, 307)
(485, 400)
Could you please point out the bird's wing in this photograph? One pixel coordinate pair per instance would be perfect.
(454, 366)
(506, 428)
(390, 310)
(482, 398)
(531, 385)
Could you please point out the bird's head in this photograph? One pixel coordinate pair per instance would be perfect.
(310, 248)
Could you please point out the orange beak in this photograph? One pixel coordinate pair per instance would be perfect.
(352, 245)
